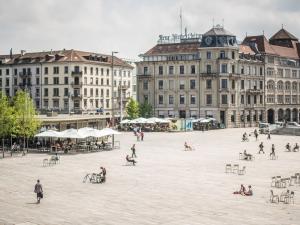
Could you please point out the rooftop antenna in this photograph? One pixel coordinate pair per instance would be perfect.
(185, 31)
(180, 16)
(222, 23)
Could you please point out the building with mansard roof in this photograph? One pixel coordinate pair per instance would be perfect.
(211, 75)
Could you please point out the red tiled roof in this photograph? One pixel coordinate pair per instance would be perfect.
(173, 48)
(246, 49)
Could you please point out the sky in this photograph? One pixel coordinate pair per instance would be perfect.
(131, 27)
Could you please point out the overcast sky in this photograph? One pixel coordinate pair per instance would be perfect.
(131, 27)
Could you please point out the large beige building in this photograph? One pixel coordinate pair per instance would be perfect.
(210, 75)
(68, 80)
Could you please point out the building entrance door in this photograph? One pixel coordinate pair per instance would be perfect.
(222, 117)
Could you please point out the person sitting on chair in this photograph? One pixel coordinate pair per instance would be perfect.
(131, 160)
(187, 147)
(102, 174)
(288, 147)
(296, 148)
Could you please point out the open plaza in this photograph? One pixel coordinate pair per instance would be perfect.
(167, 186)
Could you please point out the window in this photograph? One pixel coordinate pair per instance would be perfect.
(46, 92)
(208, 84)
(7, 72)
(208, 55)
(254, 99)
(261, 84)
(146, 98)
(46, 80)
(233, 99)
(55, 92)
(233, 55)
(192, 84)
(224, 99)
(224, 68)
(242, 99)
(91, 92)
(145, 85)
(260, 99)
(91, 70)
(107, 72)
(160, 99)
(145, 70)
(97, 73)
(66, 92)
(102, 71)
(37, 70)
(55, 70)
(85, 70)
(37, 81)
(208, 69)
(55, 80)
(85, 92)
(107, 81)
(66, 80)
(101, 92)
(224, 83)
(248, 99)
(107, 92)
(171, 99)
(242, 84)
(97, 92)
(171, 70)
(294, 73)
(222, 55)
(181, 84)
(181, 69)
(193, 69)
(233, 84)
(0, 72)
(56, 103)
(208, 99)
(97, 81)
(171, 84)
(160, 70)
(193, 99)
(181, 99)
(261, 71)
(160, 84)
(15, 72)
(46, 104)
(46, 70)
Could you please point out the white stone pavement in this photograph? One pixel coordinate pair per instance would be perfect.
(168, 186)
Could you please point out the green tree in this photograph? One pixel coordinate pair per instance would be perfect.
(6, 118)
(146, 110)
(132, 109)
(26, 122)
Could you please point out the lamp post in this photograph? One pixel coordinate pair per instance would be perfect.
(121, 98)
(112, 88)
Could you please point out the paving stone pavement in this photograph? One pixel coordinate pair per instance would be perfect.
(168, 186)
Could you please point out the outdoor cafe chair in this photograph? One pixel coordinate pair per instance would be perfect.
(242, 171)
(274, 198)
(236, 168)
(228, 168)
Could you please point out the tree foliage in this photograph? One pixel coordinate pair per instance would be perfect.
(7, 117)
(26, 123)
(146, 110)
(132, 109)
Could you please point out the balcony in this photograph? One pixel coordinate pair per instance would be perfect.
(23, 85)
(254, 91)
(22, 74)
(79, 73)
(76, 84)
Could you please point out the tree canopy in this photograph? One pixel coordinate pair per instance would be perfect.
(132, 109)
(145, 110)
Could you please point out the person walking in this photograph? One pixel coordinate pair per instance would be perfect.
(261, 148)
(272, 151)
(269, 136)
(38, 189)
(255, 134)
(133, 151)
(142, 136)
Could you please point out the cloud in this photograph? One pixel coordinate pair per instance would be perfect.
(132, 26)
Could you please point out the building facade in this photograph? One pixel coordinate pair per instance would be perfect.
(208, 75)
(68, 80)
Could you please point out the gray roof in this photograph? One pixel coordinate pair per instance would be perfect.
(218, 31)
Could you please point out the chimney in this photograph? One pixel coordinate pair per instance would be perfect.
(10, 53)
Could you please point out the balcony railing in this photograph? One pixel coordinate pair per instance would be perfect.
(22, 74)
(78, 84)
(77, 73)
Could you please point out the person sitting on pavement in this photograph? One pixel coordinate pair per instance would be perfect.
(246, 155)
(288, 147)
(245, 137)
(131, 160)
(249, 192)
(187, 147)
(241, 191)
(296, 148)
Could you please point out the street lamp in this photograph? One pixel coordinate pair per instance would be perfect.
(112, 88)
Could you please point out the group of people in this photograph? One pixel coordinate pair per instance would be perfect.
(289, 148)
(139, 134)
(244, 192)
(256, 134)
